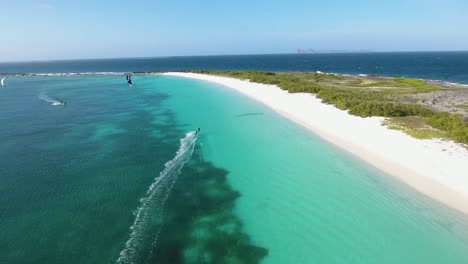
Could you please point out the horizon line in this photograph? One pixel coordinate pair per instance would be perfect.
(317, 52)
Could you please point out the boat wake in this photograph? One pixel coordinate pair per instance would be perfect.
(51, 100)
(148, 216)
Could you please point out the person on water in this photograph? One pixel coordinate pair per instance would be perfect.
(129, 79)
(196, 131)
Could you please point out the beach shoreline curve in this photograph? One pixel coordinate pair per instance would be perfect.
(433, 167)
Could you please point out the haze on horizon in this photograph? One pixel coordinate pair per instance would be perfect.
(54, 30)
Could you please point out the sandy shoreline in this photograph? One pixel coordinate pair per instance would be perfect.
(436, 168)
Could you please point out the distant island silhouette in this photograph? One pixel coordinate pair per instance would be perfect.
(311, 51)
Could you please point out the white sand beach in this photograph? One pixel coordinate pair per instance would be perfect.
(436, 168)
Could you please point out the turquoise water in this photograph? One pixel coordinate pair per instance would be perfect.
(116, 176)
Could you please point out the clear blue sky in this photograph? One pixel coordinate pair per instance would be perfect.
(61, 29)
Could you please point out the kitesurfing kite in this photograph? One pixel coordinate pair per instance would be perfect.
(3, 81)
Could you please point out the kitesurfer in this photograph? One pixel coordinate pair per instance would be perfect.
(129, 79)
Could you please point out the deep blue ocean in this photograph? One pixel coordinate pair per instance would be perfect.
(446, 66)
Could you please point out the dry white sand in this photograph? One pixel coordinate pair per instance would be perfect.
(434, 167)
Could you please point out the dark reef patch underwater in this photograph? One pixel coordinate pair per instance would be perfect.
(199, 224)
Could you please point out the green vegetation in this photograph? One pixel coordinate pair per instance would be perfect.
(369, 96)
(456, 128)
(414, 126)
(365, 104)
(417, 85)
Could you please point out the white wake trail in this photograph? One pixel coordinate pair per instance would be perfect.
(50, 100)
(47, 99)
(148, 217)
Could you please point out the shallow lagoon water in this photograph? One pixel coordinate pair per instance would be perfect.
(307, 201)
(256, 188)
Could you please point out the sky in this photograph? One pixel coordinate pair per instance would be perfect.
(62, 29)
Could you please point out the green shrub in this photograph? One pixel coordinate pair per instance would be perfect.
(386, 109)
(409, 82)
(454, 125)
(446, 122)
